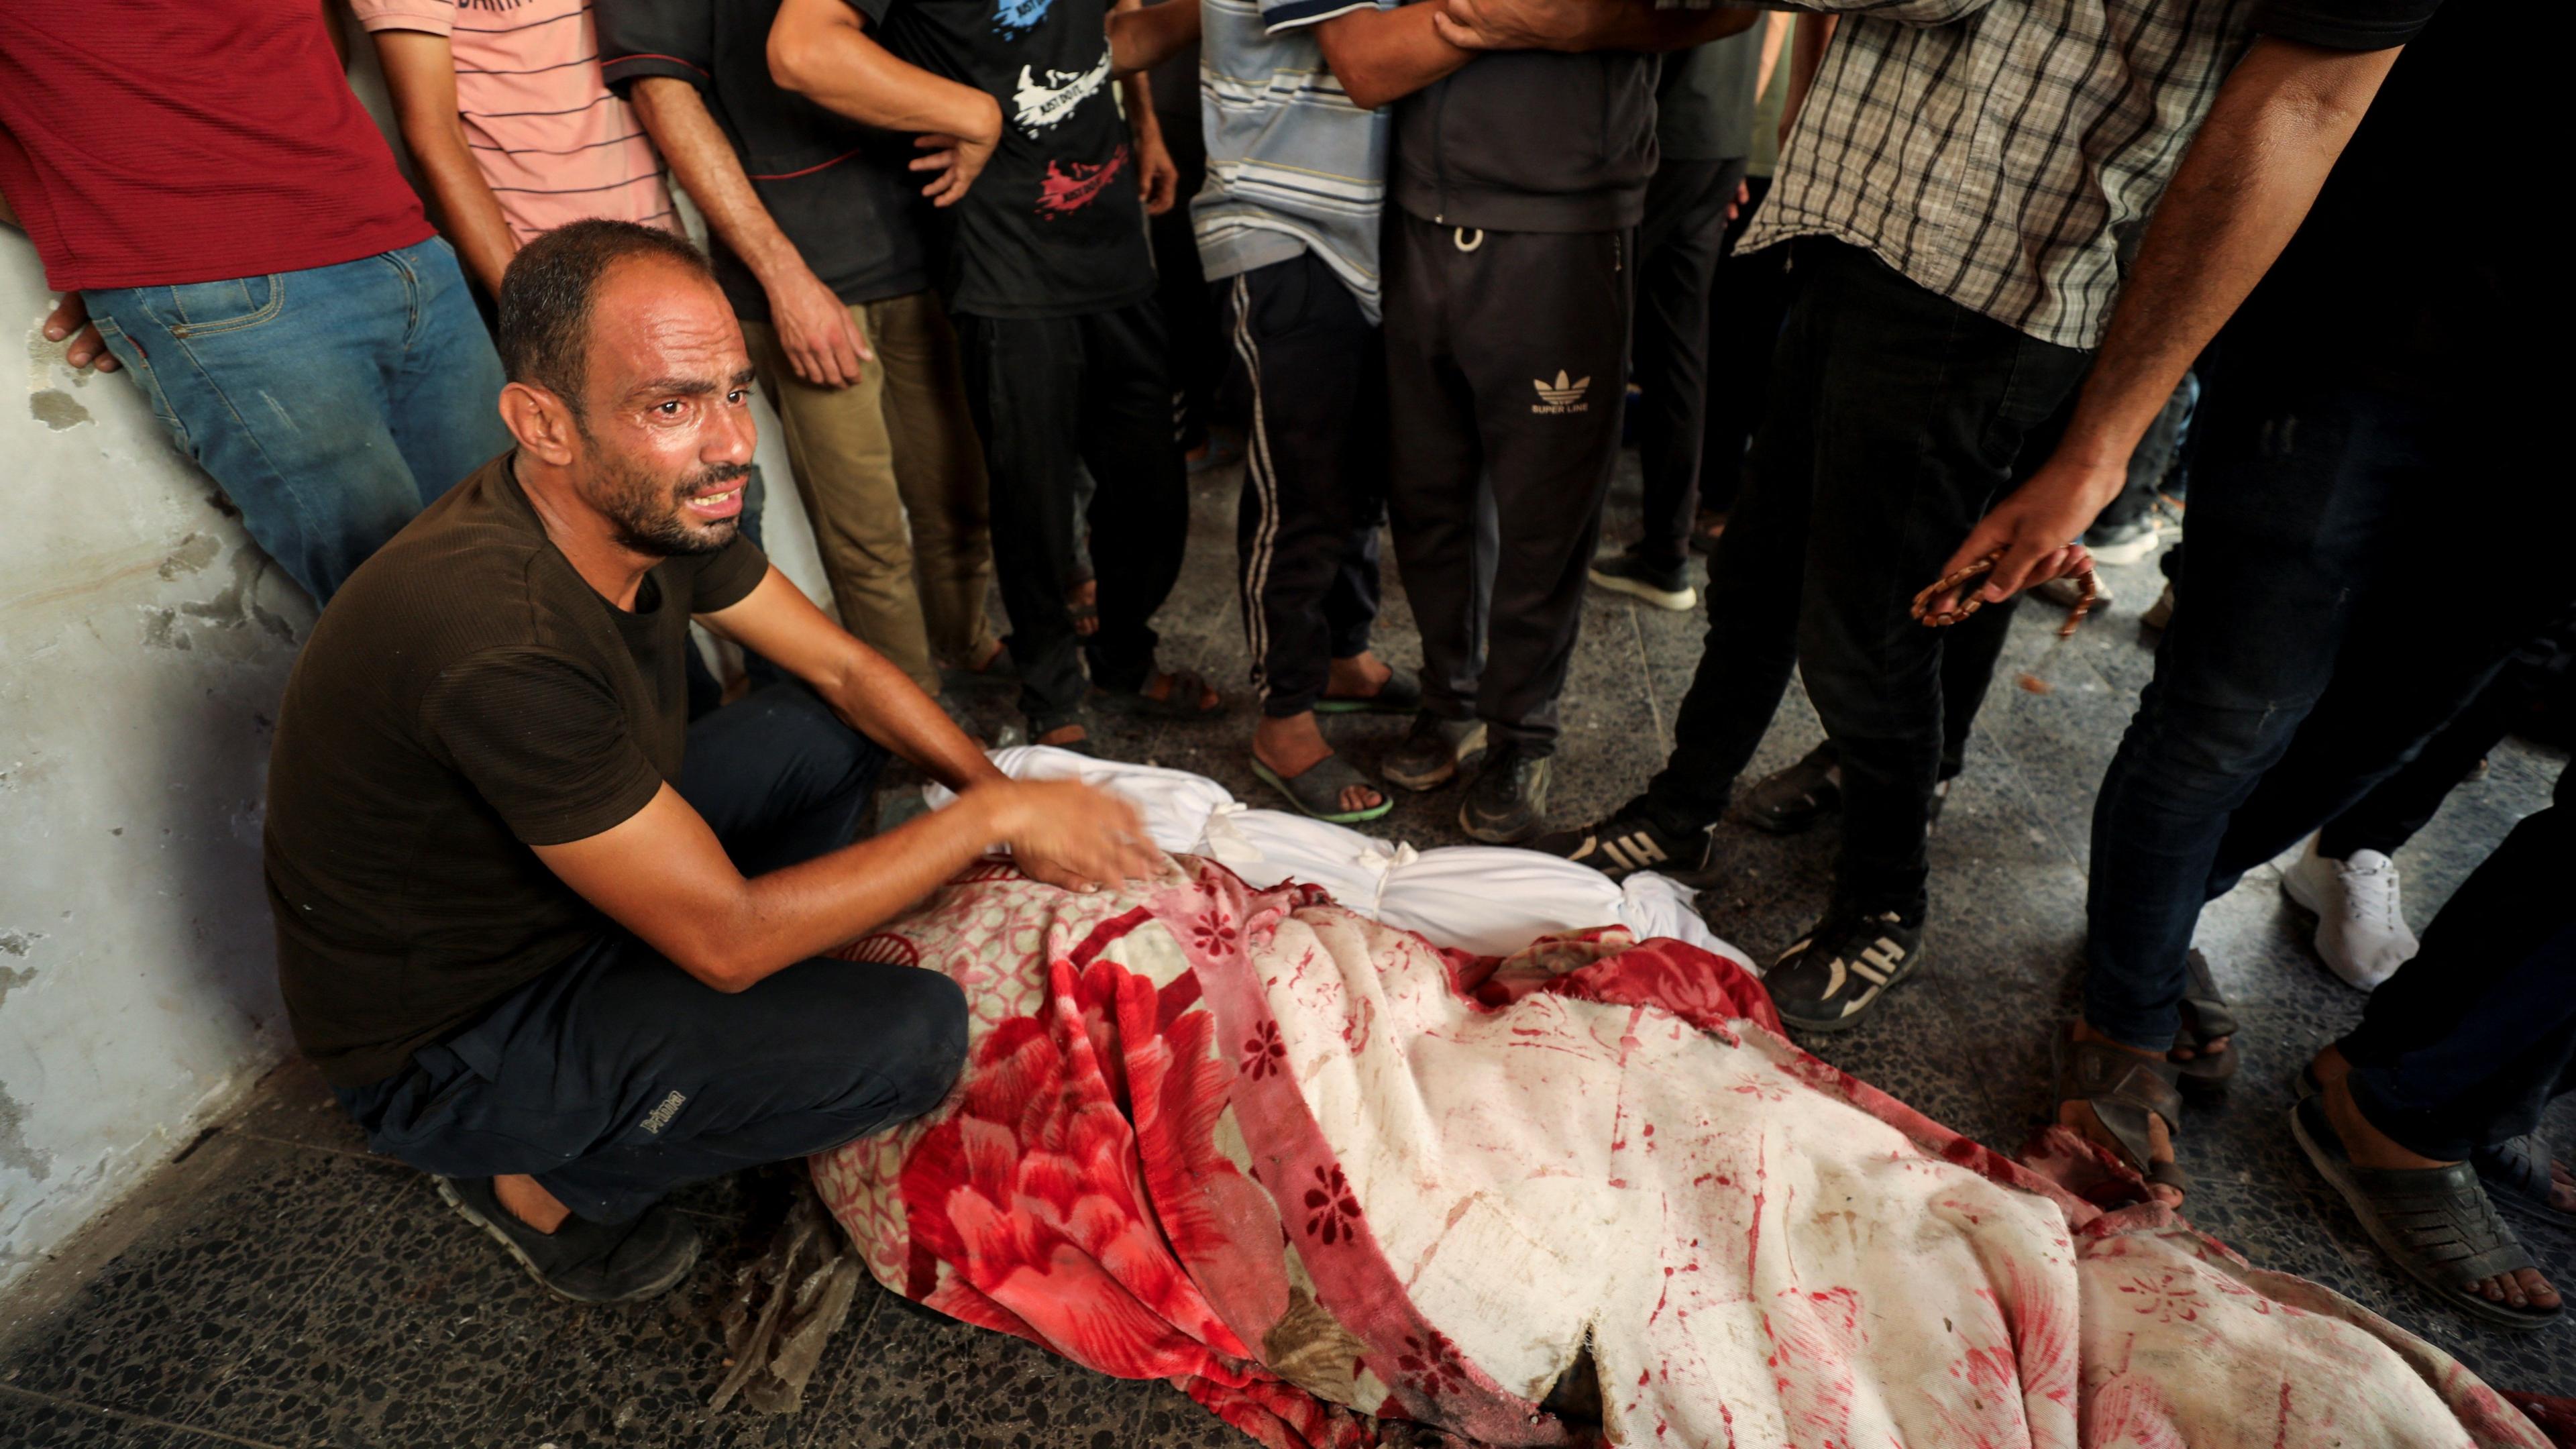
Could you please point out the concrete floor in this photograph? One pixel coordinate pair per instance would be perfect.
(279, 1286)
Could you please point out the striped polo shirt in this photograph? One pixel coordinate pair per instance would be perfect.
(1292, 165)
(553, 143)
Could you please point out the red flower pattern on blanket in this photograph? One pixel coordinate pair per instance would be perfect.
(1310, 1169)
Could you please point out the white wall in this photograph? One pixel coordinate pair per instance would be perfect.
(144, 641)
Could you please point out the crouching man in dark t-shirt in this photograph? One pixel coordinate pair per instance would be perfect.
(549, 940)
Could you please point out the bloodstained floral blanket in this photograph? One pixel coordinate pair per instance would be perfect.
(1319, 1173)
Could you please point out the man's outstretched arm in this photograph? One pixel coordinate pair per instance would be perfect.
(662, 874)
(820, 49)
(2278, 124)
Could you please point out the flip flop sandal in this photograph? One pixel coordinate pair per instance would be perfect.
(1401, 694)
(2205, 1019)
(1317, 790)
(2124, 1090)
(2517, 1177)
(2435, 1223)
(1180, 702)
(1796, 798)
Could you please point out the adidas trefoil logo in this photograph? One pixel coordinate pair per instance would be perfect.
(1563, 396)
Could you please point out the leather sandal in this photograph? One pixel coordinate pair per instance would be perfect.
(2435, 1223)
(2205, 1018)
(2124, 1090)
(2517, 1177)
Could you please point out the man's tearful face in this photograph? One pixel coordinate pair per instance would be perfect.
(669, 423)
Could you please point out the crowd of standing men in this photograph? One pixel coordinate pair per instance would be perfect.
(1942, 264)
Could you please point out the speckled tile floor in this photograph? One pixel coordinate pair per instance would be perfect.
(279, 1286)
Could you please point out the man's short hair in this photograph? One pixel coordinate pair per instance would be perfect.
(546, 297)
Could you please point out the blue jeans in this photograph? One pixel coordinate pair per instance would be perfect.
(2346, 592)
(330, 404)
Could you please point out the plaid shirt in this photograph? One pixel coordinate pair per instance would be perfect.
(2002, 153)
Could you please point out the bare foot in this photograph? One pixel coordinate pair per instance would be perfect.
(2367, 1146)
(1160, 687)
(1072, 734)
(530, 1203)
(1359, 677)
(2080, 1117)
(2214, 1046)
(987, 658)
(1294, 745)
(1084, 600)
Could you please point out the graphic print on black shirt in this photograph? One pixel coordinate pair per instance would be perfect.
(1053, 226)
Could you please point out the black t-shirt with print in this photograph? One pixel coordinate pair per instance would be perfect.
(1053, 227)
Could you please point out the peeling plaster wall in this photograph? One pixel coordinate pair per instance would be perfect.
(144, 641)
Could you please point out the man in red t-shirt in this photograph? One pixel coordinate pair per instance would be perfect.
(237, 234)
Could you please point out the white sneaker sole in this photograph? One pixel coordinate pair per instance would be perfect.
(2130, 552)
(1660, 598)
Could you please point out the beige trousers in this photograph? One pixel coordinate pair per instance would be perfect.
(896, 445)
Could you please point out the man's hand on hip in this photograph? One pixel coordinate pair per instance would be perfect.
(70, 318)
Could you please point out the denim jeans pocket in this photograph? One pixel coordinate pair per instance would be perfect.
(207, 309)
(145, 377)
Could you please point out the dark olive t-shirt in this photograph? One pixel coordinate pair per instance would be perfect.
(466, 696)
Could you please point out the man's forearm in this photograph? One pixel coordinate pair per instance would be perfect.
(878, 700)
(1142, 37)
(2273, 133)
(820, 50)
(1382, 56)
(420, 73)
(703, 160)
(1637, 25)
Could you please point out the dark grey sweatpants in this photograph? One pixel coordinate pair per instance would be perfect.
(1506, 360)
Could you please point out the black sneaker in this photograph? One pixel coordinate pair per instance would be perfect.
(1845, 964)
(1801, 797)
(1795, 799)
(584, 1261)
(1664, 588)
(1433, 752)
(1628, 841)
(1508, 802)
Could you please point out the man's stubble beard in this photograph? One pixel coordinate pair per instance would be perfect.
(647, 511)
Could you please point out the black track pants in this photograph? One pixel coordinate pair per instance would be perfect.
(1506, 360)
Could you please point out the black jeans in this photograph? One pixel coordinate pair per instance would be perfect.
(2386, 818)
(618, 1076)
(1507, 359)
(1747, 304)
(2316, 643)
(2465, 1046)
(1677, 260)
(1305, 378)
(1051, 396)
(1895, 419)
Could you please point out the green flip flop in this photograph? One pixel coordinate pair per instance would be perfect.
(1317, 790)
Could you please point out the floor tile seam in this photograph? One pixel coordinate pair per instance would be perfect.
(2027, 792)
(127, 1416)
(1646, 671)
(313, 1284)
